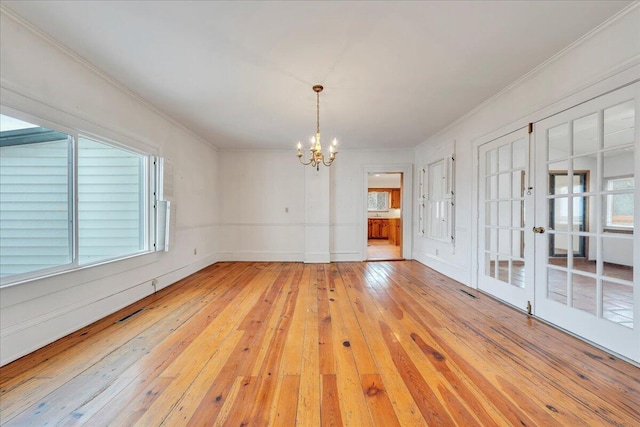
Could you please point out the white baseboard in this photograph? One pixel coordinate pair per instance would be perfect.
(23, 338)
(346, 257)
(172, 277)
(317, 258)
(261, 256)
(443, 266)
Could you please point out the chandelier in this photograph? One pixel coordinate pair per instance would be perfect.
(316, 157)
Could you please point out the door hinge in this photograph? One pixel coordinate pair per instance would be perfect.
(530, 129)
(529, 308)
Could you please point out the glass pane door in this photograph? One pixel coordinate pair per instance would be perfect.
(503, 252)
(587, 158)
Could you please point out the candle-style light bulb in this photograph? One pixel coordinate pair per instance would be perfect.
(299, 145)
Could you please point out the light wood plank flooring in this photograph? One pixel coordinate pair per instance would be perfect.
(359, 344)
(382, 250)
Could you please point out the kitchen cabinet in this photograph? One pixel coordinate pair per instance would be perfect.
(395, 231)
(394, 195)
(385, 228)
(395, 198)
(378, 228)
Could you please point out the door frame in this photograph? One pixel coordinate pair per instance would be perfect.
(615, 79)
(406, 206)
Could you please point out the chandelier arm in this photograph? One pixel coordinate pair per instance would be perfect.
(327, 164)
(308, 163)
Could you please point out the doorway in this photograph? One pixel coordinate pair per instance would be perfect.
(384, 216)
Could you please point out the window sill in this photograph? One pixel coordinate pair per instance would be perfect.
(618, 230)
(48, 274)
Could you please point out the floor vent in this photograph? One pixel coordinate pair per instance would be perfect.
(130, 315)
(465, 292)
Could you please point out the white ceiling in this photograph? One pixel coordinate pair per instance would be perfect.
(239, 74)
(385, 180)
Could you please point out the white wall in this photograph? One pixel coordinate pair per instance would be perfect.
(262, 206)
(44, 80)
(257, 187)
(607, 58)
(349, 184)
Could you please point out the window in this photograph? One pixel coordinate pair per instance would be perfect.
(619, 205)
(111, 201)
(378, 201)
(35, 198)
(439, 203)
(422, 200)
(42, 230)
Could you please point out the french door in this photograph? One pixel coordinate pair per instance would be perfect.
(585, 249)
(505, 246)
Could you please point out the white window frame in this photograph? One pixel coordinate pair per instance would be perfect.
(387, 197)
(608, 205)
(422, 201)
(448, 198)
(152, 170)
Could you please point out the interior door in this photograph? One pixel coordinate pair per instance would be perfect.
(591, 294)
(505, 252)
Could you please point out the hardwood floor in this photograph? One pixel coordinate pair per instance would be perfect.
(382, 250)
(388, 343)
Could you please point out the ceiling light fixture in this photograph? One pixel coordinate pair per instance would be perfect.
(316, 157)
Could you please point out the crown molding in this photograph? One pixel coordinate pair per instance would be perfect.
(4, 10)
(539, 68)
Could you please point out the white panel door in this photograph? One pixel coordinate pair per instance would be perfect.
(586, 200)
(505, 248)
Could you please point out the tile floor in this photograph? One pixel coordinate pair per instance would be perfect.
(617, 299)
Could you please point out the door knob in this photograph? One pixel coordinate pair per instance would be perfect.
(538, 230)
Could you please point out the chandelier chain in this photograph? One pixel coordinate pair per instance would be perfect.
(317, 112)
